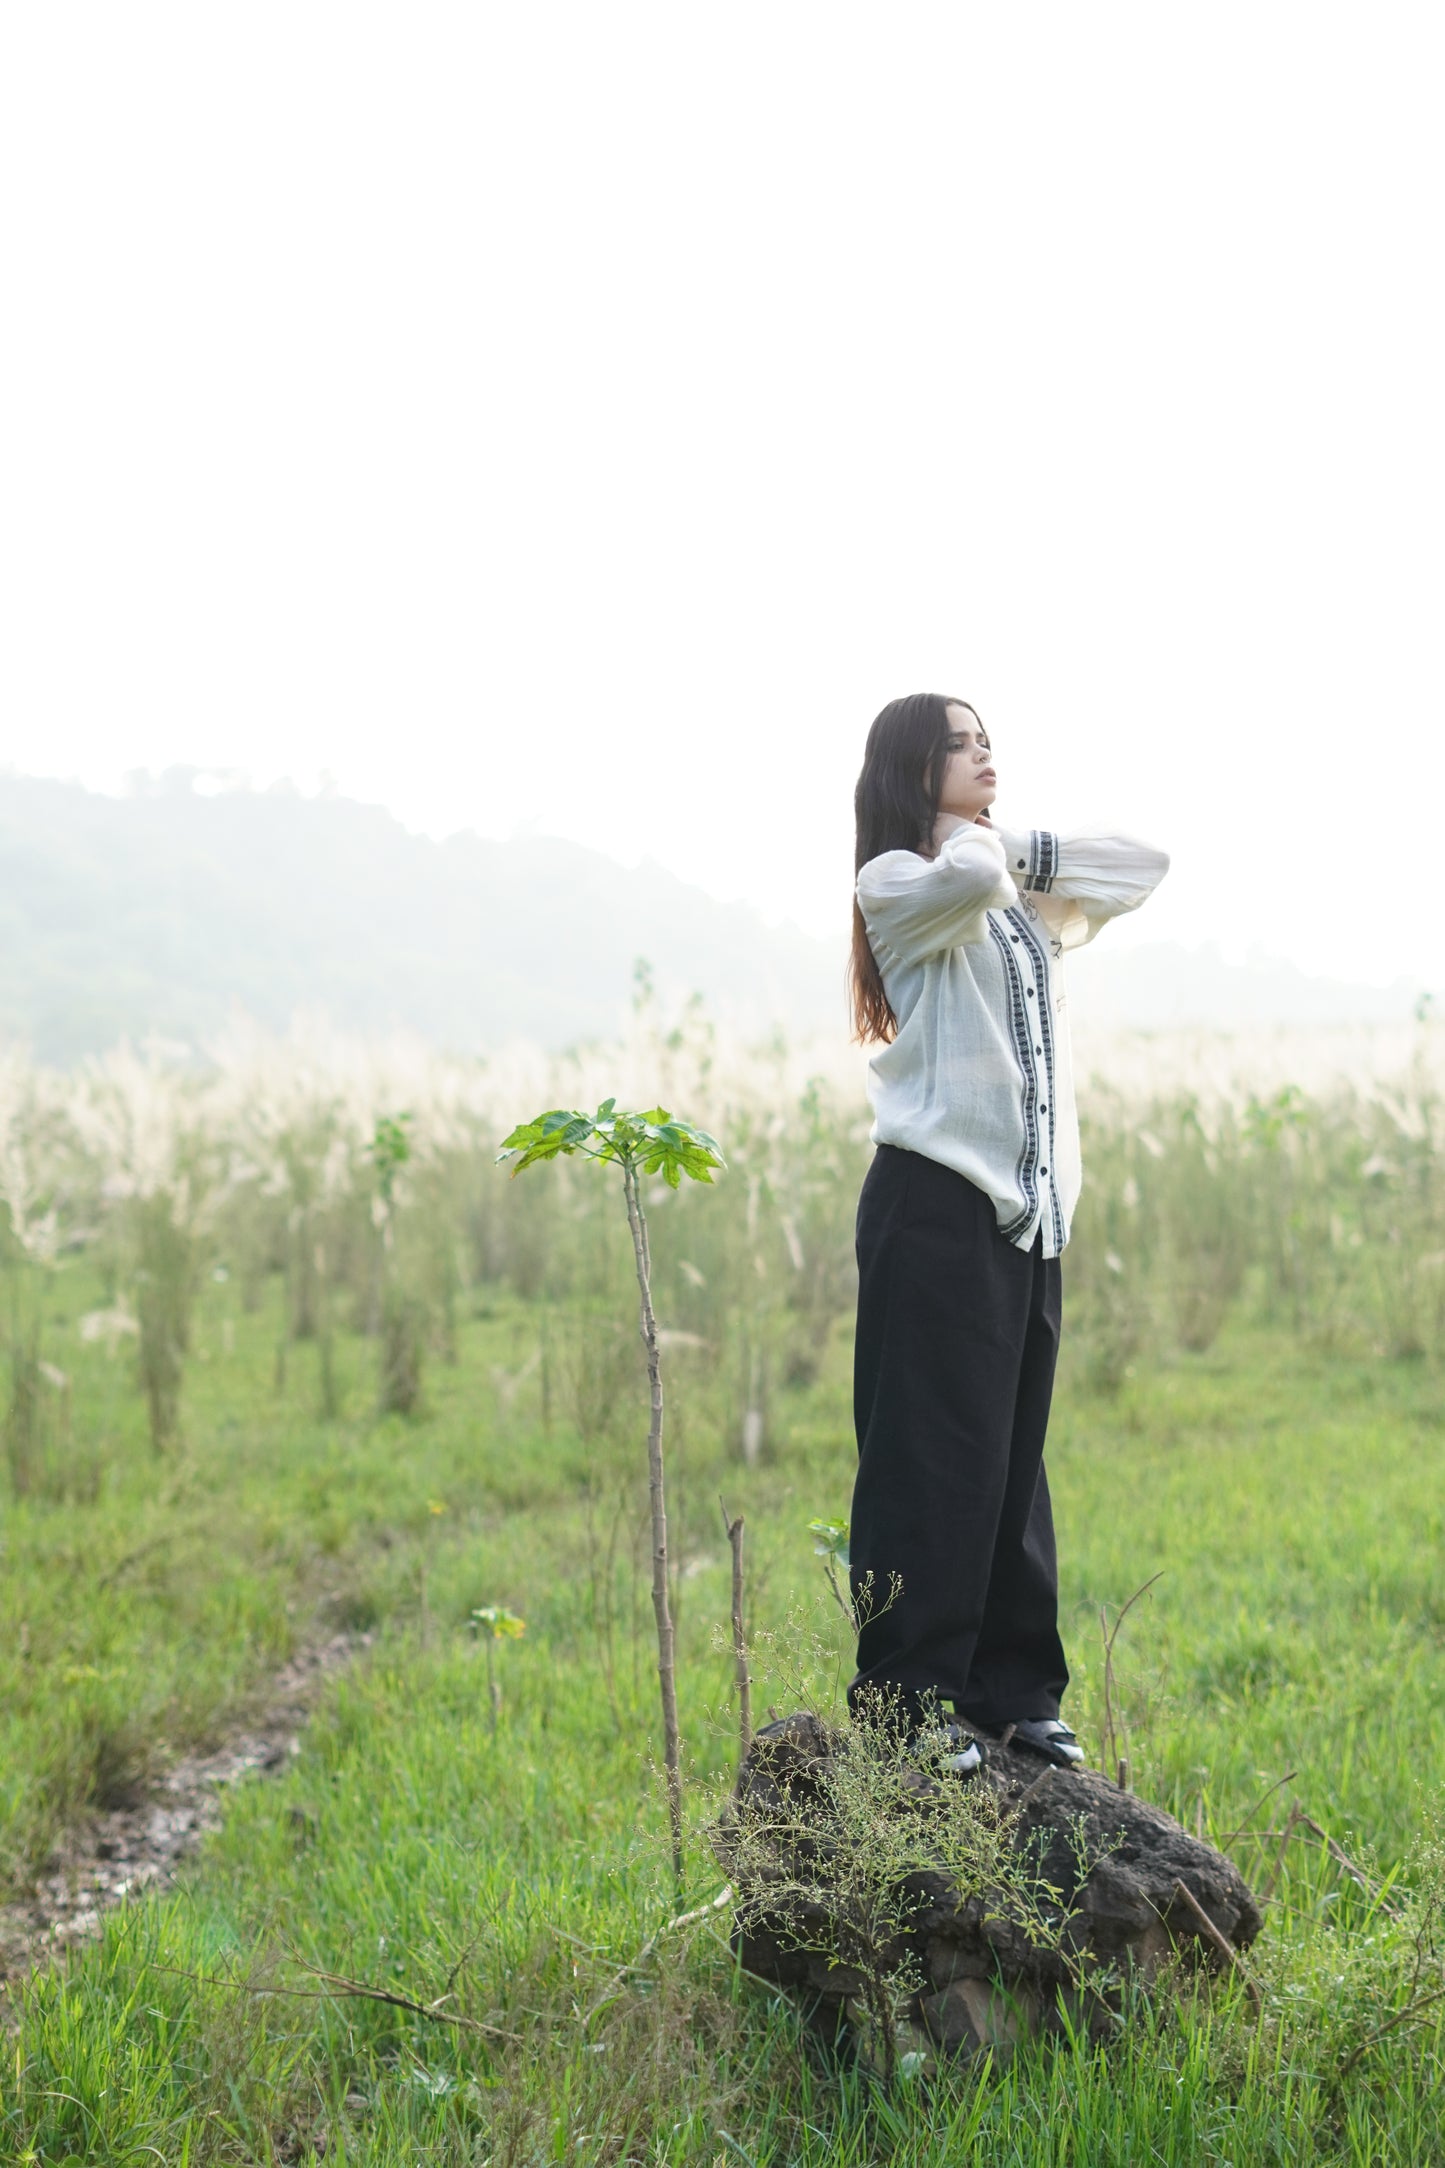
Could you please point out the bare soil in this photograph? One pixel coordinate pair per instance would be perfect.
(127, 1852)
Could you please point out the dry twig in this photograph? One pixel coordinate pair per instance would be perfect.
(1033, 1791)
(1109, 1744)
(734, 1531)
(1401, 2017)
(1220, 1942)
(719, 1903)
(1277, 1785)
(338, 1988)
(344, 1989)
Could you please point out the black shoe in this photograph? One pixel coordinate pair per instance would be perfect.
(950, 1743)
(1049, 1736)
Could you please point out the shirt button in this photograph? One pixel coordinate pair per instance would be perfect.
(1038, 1050)
(1021, 865)
(1043, 1106)
(1043, 1170)
(1030, 992)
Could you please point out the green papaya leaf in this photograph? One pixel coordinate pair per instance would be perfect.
(655, 1142)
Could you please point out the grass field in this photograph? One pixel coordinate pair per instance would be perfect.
(1289, 1497)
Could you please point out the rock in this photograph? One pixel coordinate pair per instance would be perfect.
(1086, 1890)
(975, 2014)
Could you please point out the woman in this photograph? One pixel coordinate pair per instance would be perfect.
(958, 935)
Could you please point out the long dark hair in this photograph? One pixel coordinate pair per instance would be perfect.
(896, 805)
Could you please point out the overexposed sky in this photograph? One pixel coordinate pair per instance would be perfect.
(585, 418)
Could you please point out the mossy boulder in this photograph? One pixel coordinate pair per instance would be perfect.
(1080, 1886)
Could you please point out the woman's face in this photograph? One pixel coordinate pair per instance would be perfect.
(969, 782)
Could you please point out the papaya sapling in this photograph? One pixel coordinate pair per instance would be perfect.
(495, 1622)
(650, 1143)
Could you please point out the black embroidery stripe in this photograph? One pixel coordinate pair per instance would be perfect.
(1038, 950)
(1021, 920)
(1046, 1038)
(1043, 859)
(1025, 1171)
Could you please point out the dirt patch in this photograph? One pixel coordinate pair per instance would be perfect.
(130, 1851)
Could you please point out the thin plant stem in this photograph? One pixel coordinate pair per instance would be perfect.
(662, 1609)
(743, 1676)
(1109, 1745)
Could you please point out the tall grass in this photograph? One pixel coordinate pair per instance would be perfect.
(1319, 1212)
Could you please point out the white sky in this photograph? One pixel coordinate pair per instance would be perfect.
(587, 417)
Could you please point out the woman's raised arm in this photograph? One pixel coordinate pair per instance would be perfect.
(1098, 875)
(917, 907)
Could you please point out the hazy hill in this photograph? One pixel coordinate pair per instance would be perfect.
(1160, 986)
(165, 910)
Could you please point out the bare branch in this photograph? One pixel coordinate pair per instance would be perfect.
(339, 1988)
(1220, 1942)
(1401, 2017)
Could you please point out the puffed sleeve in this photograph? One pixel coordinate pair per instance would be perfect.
(1082, 880)
(917, 907)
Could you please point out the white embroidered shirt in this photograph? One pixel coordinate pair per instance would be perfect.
(970, 945)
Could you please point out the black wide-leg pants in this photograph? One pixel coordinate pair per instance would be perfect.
(958, 1332)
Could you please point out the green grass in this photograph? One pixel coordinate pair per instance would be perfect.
(1291, 1505)
(146, 1604)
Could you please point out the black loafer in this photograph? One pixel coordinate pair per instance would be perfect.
(1049, 1736)
(954, 1745)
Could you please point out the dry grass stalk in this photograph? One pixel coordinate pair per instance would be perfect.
(734, 1530)
(1109, 1743)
